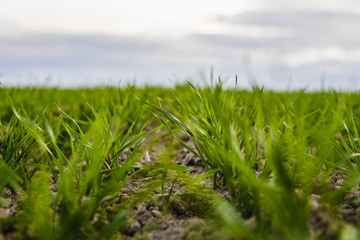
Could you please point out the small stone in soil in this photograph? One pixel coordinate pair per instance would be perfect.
(348, 212)
(145, 218)
(156, 213)
(319, 219)
(141, 209)
(12, 210)
(179, 207)
(3, 213)
(173, 229)
(135, 227)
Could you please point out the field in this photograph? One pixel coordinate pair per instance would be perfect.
(181, 163)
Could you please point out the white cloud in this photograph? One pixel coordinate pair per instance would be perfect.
(86, 42)
(157, 17)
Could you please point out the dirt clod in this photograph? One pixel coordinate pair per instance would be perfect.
(156, 213)
(3, 213)
(348, 212)
(337, 180)
(187, 158)
(135, 227)
(173, 229)
(319, 217)
(180, 207)
(145, 218)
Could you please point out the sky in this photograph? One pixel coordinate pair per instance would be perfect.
(278, 44)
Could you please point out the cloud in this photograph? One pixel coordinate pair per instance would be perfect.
(78, 58)
(75, 51)
(309, 28)
(289, 47)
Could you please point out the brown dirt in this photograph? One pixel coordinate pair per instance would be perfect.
(179, 218)
(166, 218)
(8, 209)
(187, 158)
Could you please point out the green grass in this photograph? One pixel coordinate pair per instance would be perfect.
(272, 151)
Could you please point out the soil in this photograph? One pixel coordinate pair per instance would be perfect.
(181, 221)
(187, 158)
(178, 218)
(172, 220)
(8, 208)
